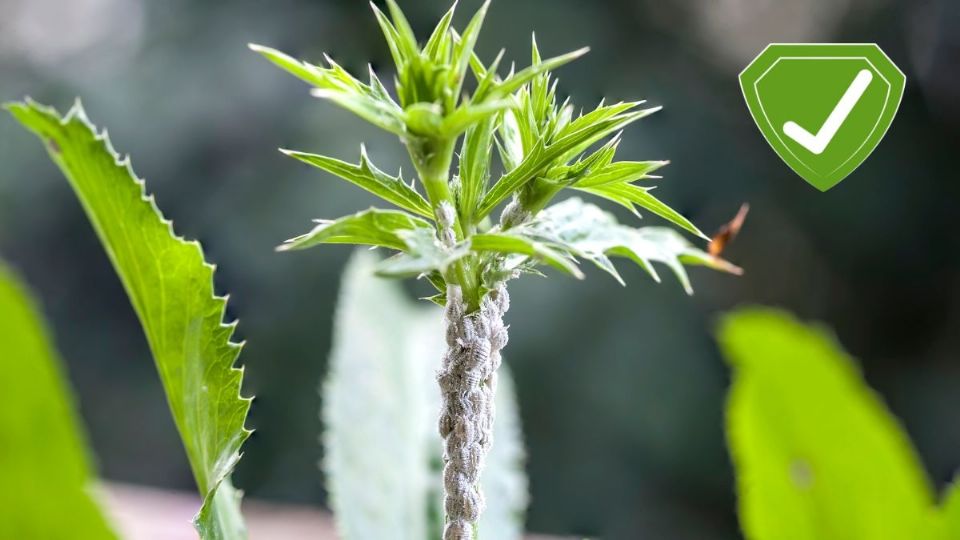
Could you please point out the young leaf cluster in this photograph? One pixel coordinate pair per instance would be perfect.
(443, 226)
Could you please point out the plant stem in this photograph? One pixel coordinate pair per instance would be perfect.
(468, 380)
(432, 159)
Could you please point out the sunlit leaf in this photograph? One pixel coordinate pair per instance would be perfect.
(48, 482)
(171, 288)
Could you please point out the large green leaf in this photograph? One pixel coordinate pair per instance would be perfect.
(817, 454)
(381, 458)
(46, 474)
(171, 288)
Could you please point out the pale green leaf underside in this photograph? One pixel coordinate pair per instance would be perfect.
(588, 232)
(381, 446)
(816, 452)
(46, 475)
(171, 288)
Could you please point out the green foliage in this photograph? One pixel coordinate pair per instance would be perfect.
(382, 459)
(584, 230)
(171, 288)
(367, 176)
(542, 145)
(47, 476)
(817, 454)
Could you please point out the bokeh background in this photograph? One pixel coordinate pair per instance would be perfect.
(621, 390)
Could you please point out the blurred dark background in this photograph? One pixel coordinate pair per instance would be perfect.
(621, 390)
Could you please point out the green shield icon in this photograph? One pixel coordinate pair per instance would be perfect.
(823, 107)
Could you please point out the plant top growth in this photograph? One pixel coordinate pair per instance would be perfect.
(444, 226)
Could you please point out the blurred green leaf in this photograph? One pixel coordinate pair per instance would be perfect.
(381, 447)
(47, 477)
(171, 288)
(951, 511)
(366, 175)
(816, 452)
(372, 227)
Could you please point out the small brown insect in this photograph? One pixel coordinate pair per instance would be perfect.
(728, 232)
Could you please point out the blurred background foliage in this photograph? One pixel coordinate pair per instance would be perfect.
(624, 426)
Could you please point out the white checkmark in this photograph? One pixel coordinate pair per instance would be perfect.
(818, 143)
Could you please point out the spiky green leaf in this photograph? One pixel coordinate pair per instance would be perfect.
(513, 83)
(512, 243)
(575, 138)
(367, 176)
(48, 482)
(383, 115)
(371, 227)
(441, 38)
(474, 166)
(618, 173)
(463, 49)
(368, 101)
(632, 196)
(171, 288)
